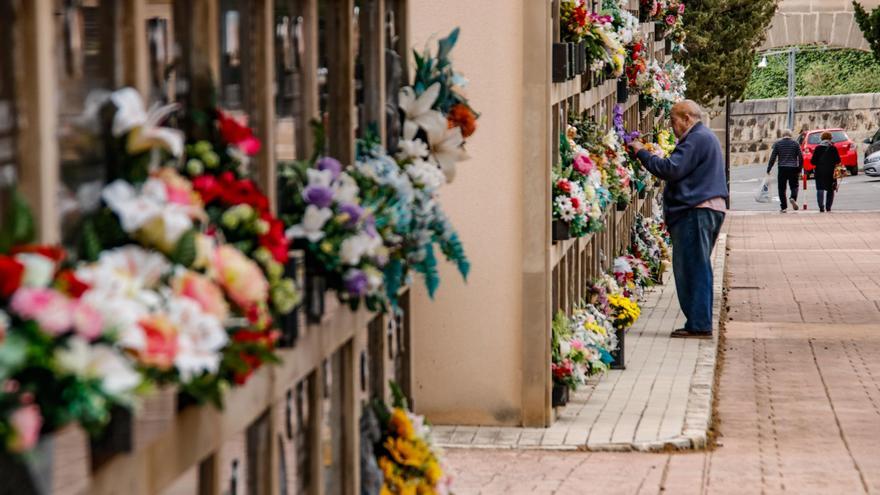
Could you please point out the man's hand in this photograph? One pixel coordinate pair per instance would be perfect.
(769, 169)
(636, 146)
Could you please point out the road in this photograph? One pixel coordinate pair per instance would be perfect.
(858, 193)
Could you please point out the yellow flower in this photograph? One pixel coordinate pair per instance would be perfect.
(433, 472)
(400, 424)
(405, 452)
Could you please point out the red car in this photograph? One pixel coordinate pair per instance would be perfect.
(845, 146)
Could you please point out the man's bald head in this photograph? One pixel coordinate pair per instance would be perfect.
(688, 108)
(685, 114)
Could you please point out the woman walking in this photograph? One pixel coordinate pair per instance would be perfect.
(826, 159)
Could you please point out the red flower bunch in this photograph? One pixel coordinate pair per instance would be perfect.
(562, 370)
(228, 191)
(253, 342)
(233, 132)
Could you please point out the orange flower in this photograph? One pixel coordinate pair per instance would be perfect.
(401, 425)
(161, 342)
(462, 116)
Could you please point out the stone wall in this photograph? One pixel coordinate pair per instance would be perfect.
(816, 22)
(756, 124)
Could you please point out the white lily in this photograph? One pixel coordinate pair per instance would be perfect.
(201, 337)
(148, 207)
(312, 224)
(38, 269)
(446, 148)
(142, 126)
(418, 109)
(354, 248)
(345, 189)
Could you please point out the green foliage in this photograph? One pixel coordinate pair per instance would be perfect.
(817, 73)
(722, 37)
(870, 26)
(18, 225)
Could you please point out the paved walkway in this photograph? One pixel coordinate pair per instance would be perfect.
(662, 399)
(799, 391)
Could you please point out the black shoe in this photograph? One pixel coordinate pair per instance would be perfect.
(821, 211)
(783, 211)
(683, 333)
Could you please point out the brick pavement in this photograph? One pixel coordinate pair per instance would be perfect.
(662, 399)
(799, 389)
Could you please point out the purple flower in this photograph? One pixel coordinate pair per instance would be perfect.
(356, 282)
(370, 226)
(353, 211)
(319, 196)
(331, 164)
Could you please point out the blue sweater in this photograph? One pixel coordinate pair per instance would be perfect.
(694, 172)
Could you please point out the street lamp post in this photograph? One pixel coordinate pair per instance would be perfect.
(792, 58)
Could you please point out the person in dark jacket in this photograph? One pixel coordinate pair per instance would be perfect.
(694, 203)
(826, 158)
(791, 162)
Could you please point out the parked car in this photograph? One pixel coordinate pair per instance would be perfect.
(873, 144)
(872, 162)
(849, 155)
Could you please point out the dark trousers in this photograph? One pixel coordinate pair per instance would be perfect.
(788, 176)
(693, 238)
(825, 199)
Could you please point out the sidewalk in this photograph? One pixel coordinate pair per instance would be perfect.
(799, 390)
(662, 399)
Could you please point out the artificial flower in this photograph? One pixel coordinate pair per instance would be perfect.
(26, 422)
(48, 307)
(11, 275)
(160, 345)
(87, 321)
(312, 224)
(202, 290)
(242, 279)
(418, 109)
(462, 117)
(38, 269)
(142, 126)
(148, 212)
(200, 338)
(102, 362)
(239, 135)
(446, 149)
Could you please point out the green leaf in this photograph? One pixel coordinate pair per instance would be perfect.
(447, 44)
(185, 251)
(18, 226)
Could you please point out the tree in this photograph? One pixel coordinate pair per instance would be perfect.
(722, 38)
(870, 26)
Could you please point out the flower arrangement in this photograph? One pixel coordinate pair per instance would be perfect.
(650, 243)
(624, 311)
(438, 118)
(582, 346)
(662, 87)
(609, 155)
(369, 224)
(407, 457)
(218, 168)
(578, 193)
(60, 361)
(189, 307)
(597, 32)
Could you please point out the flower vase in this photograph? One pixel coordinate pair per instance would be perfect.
(643, 193)
(582, 56)
(659, 30)
(622, 90)
(560, 62)
(622, 204)
(315, 289)
(643, 104)
(560, 395)
(668, 45)
(572, 61)
(618, 355)
(290, 323)
(561, 231)
(116, 438)
(643, 12)
(30, 475)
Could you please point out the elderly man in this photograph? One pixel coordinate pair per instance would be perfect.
(791, 162)
(694, 204)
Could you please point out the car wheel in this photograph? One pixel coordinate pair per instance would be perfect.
(854, 170)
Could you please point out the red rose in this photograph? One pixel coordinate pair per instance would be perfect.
(69, 284)
(237, 134)
(576, 203)
(208, 188)
(11, 272)
(564, 186)
(275, 240)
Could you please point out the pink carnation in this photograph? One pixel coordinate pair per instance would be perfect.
(26, 422)
(203, 291)
(87, 321)
(583, 164)
(49, 308)
(670, 20)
